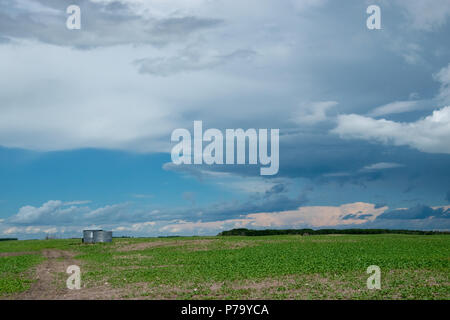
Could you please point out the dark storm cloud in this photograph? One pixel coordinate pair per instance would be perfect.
(276, 189)
(234, 209)
(409, 224)
(417, 212)
(102, 24)
(329, 160)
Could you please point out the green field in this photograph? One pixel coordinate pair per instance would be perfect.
(268, 267)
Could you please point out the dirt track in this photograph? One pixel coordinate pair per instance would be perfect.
(46, 273)
(51, 279)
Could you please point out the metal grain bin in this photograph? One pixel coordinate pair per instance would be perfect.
(88, 236)
(95, 236)
(102, 236)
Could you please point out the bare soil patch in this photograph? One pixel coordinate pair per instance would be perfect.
(154, 244)
(292, 287)
(51, 281)
(46, 286)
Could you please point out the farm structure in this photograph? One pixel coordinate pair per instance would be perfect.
(96, 236)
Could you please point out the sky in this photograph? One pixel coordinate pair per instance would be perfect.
(86, 116)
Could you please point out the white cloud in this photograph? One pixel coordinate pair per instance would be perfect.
(443, 97)
(394, 107)
(136, 227)
(431, 134)
(314, 112)
(65, 103)
(12, 230)
(77, 202)
(382, 166)
(54, 211)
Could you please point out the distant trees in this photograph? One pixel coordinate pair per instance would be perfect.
(305, 232)
(7, 239)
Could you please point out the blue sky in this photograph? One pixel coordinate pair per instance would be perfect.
(87, 115)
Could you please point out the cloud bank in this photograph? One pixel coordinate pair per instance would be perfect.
(59, 218)
(430, 134)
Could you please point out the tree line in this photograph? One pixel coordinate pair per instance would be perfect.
(304, 232)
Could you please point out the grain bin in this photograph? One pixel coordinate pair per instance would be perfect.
(88, 236)
(95, 236)
(102, 236)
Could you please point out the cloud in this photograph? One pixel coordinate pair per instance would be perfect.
(443, 76)
(314, 216)
(56, 212)
(258, 202)
(379, 205)
(318, 216)
(4, 40)
(382, 166)
(75, 213)
(109, 213)
(51, 212)
(136, 227)
(77, 202)
(358, 214)
(104, 23)
(394, 107)
(197, 171)
(276, 189)
(417, 212)
(314, 112)
(97, 99)
(190, 60)
(430, 134)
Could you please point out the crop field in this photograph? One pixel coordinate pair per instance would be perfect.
(232, 267)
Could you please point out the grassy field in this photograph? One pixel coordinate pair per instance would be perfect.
(271, 267)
